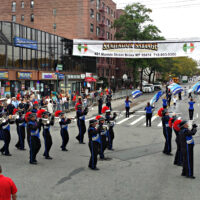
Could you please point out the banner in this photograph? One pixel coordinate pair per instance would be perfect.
(25, 43)
(135, 49)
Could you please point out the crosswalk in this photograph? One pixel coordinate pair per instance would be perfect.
(137, 119)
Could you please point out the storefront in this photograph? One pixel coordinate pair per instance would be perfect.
(49, 82)
(4, 83)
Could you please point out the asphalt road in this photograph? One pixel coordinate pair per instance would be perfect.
(138, 169)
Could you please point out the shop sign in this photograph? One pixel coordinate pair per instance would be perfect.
(25, 43)
(61, 76)
(3, 75)
(59, 67)
(24, 75)
(49, 76)
(82, 76)
(88, 74)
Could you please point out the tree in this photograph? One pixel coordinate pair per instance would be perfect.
(135, 24)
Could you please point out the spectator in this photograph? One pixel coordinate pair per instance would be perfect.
(50, 106)
(7, 188)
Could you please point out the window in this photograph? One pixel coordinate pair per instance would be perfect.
(22, 4)
(91, 0)
(13, 6)
(32, 17)
(14, 18)
(91, 13)
(107, 35)
(111, 36)
(98, 31)
(98, 4)
(92, 28)
(108, 22)
(54, 26)
(111, 12)
(54, 12)
(107, 72)
(32, 4)
(22, 18)
(108, 10)
(98, 17)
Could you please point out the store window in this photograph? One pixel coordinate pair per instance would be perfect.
(22, 4)
(32, 4)
(22, 18)
(13, 18)
(13, 6)
(107, 72)
(91, 13)
(32, 18)
(92, 28)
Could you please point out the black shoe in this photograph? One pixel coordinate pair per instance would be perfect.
(7, 154)
(169, 154)
(183, 174)
(22, 149)
(2, 152)
(81, 142)
(77, 138)
(33, 163)
(96, 168)
(17, 147)
(48, 158)
(64, 150)
(192, 177)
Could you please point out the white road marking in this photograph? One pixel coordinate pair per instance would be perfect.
(137, 120)
(141, 111)
(152, 119)
(197, 115)
(160, 124)
(126, 119)
(198, 104)
(90, 119)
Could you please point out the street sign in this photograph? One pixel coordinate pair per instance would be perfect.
(59, 67)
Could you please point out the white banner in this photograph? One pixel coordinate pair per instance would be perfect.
(135, 49)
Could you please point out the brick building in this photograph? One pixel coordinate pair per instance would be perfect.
(83, 19)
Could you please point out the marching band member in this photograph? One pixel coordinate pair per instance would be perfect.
(166, 132)
(5, 129)
(21, 124)
(178, 156)
(187, 145)
(102, 130)
(35, 107)
(33, 134)
(94, 144)
(46, 123)
(110, 121)
(80, 115)
(63, 128)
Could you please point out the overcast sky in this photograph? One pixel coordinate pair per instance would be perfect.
(176, 19)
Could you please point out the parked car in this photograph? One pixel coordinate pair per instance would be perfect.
(157, 86)
(148, 88)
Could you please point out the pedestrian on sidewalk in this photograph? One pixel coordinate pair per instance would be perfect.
(148, 109)
(127, 106)
(174, 100)
(8, 188)
(100, 103)
(191, 108)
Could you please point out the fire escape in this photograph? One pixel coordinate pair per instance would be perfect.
(102, 24)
